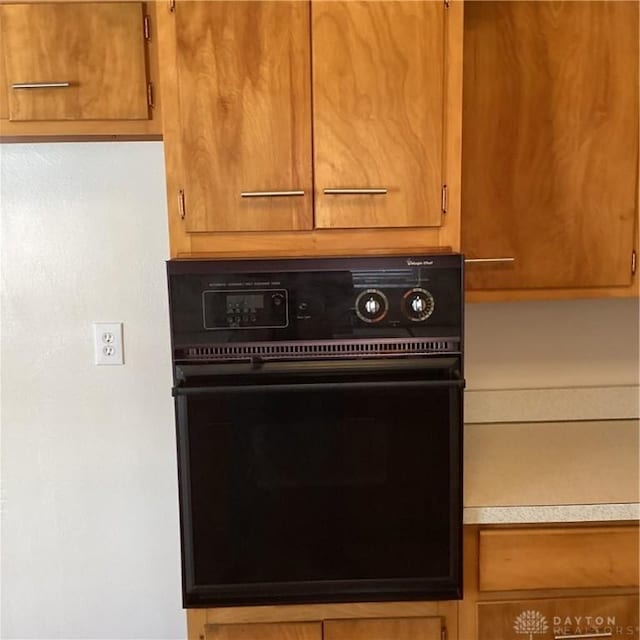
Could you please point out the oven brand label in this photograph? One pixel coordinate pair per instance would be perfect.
(419, 263)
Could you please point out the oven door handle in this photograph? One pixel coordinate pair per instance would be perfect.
(325, 386)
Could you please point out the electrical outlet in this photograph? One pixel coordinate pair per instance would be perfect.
(107, 343)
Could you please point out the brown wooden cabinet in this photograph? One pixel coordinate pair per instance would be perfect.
(551, 581)
(311, 127)
(264, 631)
(245, 115)
(378, 85)
(351, 621)
(384, 629)
(550, 148)
(595, 617)
(75, 67)
(410, 628)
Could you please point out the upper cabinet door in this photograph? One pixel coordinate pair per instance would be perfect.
(76, 61)
(550, 143)
(378, 86)
(245, 114)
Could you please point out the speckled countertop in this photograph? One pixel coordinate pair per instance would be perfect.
(552, 513)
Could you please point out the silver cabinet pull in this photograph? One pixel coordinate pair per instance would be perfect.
(488, 260)
(270, 194)
(357, 192)
(605, 634)
(40, 85)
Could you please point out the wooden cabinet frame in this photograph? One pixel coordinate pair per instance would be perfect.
(317, 242)
(69, 130)
(598, 265)
(473, 596)
(197, 619)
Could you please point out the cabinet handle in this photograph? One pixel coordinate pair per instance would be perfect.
(605, 634)
(354, 192)
(270, 194)
(40, 85)
(488, 260)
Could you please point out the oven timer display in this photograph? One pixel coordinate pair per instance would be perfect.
(248, 301)
(265, 309)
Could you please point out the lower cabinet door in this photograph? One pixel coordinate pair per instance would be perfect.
(267, 631)
(384, 629)
(598, 617)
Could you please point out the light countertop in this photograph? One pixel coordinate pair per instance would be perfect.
(531, 514)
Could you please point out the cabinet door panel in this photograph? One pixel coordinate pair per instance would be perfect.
(613, 617)
(97, 48)
(245, 110)
(550, 142)
(582, 557)
(378, 72)
(384, 629)
(265, 631)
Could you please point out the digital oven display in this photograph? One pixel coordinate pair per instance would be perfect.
(263, 309)
(250, 301)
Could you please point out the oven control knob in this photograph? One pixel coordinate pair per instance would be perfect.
(418, 304)
(371, 305)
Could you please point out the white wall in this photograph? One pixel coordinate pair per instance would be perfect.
(90, 543)
(564, 343)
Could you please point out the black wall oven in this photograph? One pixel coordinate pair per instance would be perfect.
(319, 424)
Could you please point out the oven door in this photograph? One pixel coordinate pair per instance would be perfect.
(325, 481)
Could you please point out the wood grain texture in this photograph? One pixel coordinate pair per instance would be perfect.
(97, 47)
(452, 152)
(179, 238)
(245, 108)
(384, 629)
(4, 89)
(332, 611)
(550, 143)
(185, 243)
(318, 243)
(558, 558)
(504, 295)
(196, 624)
(271, 631)
(560, 616)
(378, 77)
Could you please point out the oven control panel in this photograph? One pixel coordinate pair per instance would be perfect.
(315, 299)
(245, 308)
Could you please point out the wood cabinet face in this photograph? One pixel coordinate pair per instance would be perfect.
(550, 143)
(98, 48)
(546, 619)
(378, 81)
(265, 631)
(384, 629)
(249, 101)
(556, 558)
(245, 108)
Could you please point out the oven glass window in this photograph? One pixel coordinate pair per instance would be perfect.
(311, 485)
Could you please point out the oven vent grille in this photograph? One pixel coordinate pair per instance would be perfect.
(320, 349)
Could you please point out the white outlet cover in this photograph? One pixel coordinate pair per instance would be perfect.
(107, 343)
